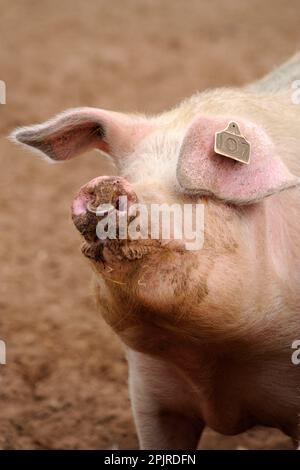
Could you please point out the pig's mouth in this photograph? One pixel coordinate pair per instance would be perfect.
(129, 250)
(107, 192)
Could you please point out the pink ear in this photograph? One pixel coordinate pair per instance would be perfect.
(201, 171)
(77, 130)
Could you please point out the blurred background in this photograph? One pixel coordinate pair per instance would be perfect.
(65, 381)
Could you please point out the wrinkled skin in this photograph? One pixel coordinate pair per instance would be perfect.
(208, 333)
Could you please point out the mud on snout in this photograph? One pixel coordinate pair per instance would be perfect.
(106, 190)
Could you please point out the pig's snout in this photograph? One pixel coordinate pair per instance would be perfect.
(96, 199)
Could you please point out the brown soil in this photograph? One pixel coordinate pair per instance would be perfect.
(64, 385)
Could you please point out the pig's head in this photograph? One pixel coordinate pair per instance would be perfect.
(170, 159)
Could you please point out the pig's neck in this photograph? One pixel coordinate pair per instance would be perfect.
(282, 241)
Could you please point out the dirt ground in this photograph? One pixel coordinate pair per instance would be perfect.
(64, 384)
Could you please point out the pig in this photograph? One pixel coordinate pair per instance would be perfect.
(207, 332)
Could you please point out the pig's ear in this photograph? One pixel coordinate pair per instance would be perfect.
(201, 171)
(77, 130)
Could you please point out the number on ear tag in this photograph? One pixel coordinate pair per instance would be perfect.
(230, 143)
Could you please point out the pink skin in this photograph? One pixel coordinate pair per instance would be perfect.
(202, 171)
(79, 206)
